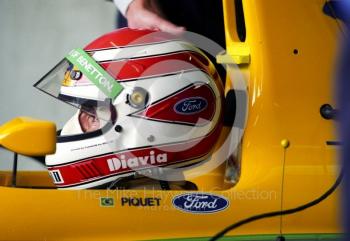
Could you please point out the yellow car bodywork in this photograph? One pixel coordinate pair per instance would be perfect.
(287, 61)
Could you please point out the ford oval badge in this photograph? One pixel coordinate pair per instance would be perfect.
(200, 203)
(190, 106)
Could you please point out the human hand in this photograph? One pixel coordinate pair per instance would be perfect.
(144, 14)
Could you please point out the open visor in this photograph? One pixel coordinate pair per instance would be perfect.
(79, 81)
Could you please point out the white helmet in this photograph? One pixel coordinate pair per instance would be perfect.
(146, 100)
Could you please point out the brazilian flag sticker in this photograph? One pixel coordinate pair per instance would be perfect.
(107, 202)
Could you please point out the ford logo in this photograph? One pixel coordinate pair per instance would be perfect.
(200, 203)
(190, 106)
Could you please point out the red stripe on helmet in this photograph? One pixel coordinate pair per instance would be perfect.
(128, 37)
(194, 105)
(126, 70)
(120, 163)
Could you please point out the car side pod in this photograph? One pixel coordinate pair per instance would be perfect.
(28, 136)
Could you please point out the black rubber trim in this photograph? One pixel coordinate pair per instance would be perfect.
(230, 108)
(333, 143)
(240, 21)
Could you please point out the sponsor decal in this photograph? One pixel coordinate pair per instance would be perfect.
(200, 203)
(190, 106)
(101, 167)
(107, 202)
(94, 72)
(56, 176)
(115, 164)
(140, 202)
(197, 110)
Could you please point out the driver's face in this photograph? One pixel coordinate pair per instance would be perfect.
(92, 118)
(89, 121)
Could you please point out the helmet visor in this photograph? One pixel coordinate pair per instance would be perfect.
(79, 81)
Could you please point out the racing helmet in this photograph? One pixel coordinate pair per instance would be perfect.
(145, 100)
